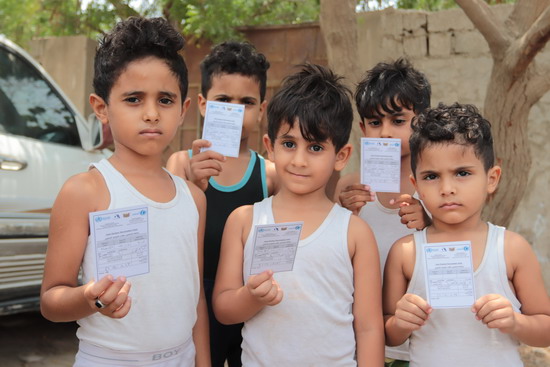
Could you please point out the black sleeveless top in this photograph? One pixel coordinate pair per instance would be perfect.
(222, 200)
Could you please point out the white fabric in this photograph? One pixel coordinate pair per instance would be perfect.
(313, 324)
(453, 337)
(91, 356)
(387, 227)
(164, 301)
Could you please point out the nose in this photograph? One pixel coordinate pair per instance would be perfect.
(386, 130)
(299, 158)
(151, 112)
(447, 186)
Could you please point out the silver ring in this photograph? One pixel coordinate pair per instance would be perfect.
(99, 304)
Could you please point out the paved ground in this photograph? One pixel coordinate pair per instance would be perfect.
(28, 340)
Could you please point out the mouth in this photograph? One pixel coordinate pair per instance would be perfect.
(150, 132)
(298, 175)
(450, 206)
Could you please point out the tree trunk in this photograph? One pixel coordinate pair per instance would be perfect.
(507, 108)
(516, 84)
(339, 27)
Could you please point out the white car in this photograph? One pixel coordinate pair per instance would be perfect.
(43, 141)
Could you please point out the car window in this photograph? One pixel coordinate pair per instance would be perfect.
(30, 106)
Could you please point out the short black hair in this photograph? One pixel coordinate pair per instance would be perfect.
(232, 57)
(318, 100)
(133, 39)
(456, 124)
(387, 86)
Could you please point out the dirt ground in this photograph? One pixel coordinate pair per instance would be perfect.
(28, 340)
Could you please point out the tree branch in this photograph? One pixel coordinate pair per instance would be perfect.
(524, 14)
(490, 26)
(539, 83)
(525, 48)
(123, 10)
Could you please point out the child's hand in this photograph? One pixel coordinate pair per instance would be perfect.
(411, 312)
(204, 164)
(412, 212)
(109, 296)
(496, 312)
(354, 197)
(264, 288)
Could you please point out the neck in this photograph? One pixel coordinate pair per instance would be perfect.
(471, 224)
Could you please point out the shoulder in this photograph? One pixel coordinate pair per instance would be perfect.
(360, 236)
(178, 162)
(403, 254)
(517, 250)
(81, 194)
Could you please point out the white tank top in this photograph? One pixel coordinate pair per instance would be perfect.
(387, 227)
(453, 337)
(313, 324)
(164, 301)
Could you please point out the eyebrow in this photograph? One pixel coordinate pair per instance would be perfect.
(139, 92)
(241, 98)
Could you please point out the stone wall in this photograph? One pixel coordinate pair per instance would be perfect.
(444, 45)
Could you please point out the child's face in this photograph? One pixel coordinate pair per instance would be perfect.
(302, 166)
(396, 125)
(145, 107)
(237, 88)
(452, 182)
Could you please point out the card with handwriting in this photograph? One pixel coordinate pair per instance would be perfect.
(449, 274)
(223, 123)
(381, 164)
(121, 241)
(275, 246)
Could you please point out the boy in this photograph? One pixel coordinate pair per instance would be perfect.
(234, 72)
(330, 313)
(452, 161)
(140, 85)
(387, 99)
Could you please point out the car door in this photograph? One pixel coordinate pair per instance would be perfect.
(40, 146)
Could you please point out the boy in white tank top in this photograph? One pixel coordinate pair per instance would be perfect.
(160, 319)
(330, 313)
(452, 160)
(387, 99)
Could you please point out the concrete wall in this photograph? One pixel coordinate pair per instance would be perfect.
(70, 62)
(444, 45)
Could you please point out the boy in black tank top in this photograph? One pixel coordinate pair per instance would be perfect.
(234, 72)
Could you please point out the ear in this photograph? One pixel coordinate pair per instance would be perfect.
(342, 157)
(268, 144)
(100, 108)
(413, 181)
(262, 110)
(202, 104)
(184, 109)
(363, 127)
(493, 178)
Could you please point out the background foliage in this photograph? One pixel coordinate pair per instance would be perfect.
(22, 20)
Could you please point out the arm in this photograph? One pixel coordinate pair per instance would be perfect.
(531, 326)
(351, 194)
(62, 299)
(200, 330)
(403, 312)
(234, 302)
(367, 306)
